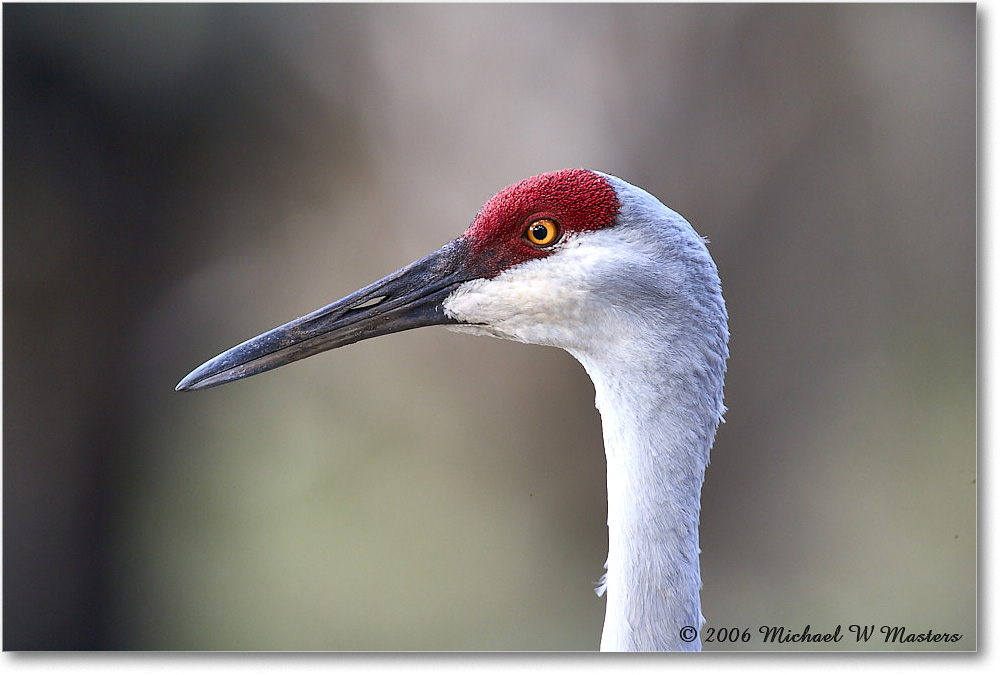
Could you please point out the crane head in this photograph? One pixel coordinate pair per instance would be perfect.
(569, 259)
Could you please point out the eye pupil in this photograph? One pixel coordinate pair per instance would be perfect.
(542, 232)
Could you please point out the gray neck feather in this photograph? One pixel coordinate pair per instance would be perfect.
(659, 390)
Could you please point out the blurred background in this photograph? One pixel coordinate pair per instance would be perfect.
(177, 179)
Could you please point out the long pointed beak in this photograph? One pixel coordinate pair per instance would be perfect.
(408, 298)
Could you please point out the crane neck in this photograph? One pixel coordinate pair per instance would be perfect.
(659, 417)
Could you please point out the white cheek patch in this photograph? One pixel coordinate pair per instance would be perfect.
(541, 301)
(504, 306)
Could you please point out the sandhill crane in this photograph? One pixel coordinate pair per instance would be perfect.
(584, 261)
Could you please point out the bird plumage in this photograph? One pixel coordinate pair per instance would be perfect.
(628, 288)
(639, 304)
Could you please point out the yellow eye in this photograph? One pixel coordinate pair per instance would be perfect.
(542, 232)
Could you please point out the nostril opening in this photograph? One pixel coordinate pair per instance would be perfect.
(370, 303)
